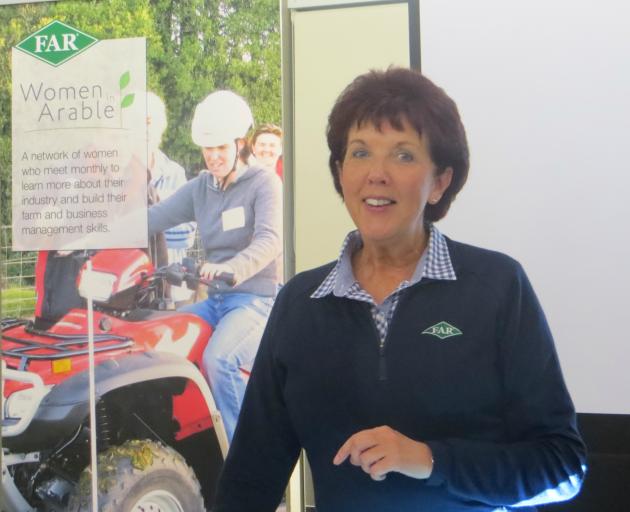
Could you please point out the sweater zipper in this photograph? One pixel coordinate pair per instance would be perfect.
(382, 360)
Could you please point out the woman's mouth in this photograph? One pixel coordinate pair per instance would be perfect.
(378, 201)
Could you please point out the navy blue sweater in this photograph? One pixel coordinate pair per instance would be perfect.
(490, 402)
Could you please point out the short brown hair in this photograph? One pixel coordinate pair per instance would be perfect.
(266, 128)
(394, 95)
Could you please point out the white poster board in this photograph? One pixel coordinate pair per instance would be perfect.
(543, 90)
(79, 142)
(322, 68)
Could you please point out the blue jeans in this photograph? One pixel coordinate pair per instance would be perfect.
(238, 320)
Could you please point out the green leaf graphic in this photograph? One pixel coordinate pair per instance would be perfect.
(127, 101)
(124, 80)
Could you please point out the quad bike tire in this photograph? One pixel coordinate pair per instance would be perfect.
(140, 476)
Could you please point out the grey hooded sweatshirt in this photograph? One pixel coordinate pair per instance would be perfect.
(240, 226)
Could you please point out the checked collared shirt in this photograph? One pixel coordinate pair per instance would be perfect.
(435, 263)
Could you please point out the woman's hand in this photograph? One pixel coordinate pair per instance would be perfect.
(382, 449)
(210, 270)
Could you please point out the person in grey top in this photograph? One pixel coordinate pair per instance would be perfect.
(238, 210)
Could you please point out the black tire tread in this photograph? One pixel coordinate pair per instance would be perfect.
(118, 476)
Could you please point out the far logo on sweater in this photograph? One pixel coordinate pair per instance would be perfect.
(443, 330)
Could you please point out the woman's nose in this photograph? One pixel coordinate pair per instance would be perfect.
(378, 174)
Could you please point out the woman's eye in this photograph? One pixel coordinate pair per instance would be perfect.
(405, 156)
(359, 153)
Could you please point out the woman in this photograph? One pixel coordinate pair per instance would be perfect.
(267, 147)
(238, 210)
(418, 373)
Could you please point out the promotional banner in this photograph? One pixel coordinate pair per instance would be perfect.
(140, 159)
(79, 141)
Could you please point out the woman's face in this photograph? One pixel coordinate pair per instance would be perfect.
(387, 176)
(220, 159)
(267, 149)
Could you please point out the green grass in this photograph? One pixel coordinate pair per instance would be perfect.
(17, 302)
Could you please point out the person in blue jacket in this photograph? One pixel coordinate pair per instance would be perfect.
(418, 373)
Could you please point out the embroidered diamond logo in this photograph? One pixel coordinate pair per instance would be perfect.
(56, 43)
(443, 330)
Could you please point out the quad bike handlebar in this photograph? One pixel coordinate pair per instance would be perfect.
(188, 272)
(124, 280)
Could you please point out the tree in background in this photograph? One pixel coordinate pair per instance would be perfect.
(215, 44)
(193, 48)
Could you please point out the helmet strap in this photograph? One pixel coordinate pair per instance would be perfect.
(224, 181)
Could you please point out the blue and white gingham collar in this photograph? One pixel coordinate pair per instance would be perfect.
(434, 264)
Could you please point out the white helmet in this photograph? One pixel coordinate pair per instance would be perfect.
(221, 118)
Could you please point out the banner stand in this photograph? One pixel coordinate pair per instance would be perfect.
(92, 393)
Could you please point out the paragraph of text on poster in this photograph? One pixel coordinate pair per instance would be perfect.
(65, 188)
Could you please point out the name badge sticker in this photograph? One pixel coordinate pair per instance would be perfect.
(233, 218)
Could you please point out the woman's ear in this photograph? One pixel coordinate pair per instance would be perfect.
(441, 182)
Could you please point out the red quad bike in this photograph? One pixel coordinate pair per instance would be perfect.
(161, 442)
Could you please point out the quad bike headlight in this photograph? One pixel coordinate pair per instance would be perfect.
(20, 406)
(24, 403)
(98, 285)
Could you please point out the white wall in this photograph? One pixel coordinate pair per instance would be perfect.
(544, 91)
